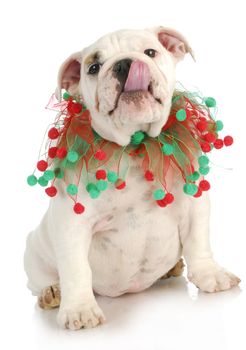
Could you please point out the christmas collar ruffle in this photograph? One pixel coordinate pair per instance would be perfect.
(73, 147)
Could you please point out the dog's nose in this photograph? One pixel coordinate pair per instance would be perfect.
(121, 69)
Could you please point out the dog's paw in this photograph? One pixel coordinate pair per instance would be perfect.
(212, 278)
(79, 316)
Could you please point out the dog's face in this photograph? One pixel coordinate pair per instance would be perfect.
(126, 80)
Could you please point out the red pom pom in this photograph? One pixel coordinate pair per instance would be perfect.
(51, 191)
(61, 152)
(204, 185)
(70, 106)
(161, 202)
(100, 155)
(42, 165)
(149, 176)
(203, 119)
(78, 208)
(120, 184)
(210, 137)
(218, 144)
(228, 140)
(205, 146)
(53, 133)
(202, 125)
(74, 107)
(52, 152)
(199, 193)
(169, 198)
(101, 174)
(77, 108)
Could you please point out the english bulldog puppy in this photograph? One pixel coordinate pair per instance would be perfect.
(122, 243)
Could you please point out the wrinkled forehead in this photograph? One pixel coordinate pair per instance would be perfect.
(119, 42)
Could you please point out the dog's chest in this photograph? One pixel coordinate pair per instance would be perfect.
(135, 242)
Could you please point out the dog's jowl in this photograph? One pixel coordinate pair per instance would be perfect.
(125, 169)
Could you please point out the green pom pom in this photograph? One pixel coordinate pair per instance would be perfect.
(94, 193)
(175, 98)
(72, 156)
(90, 186)
(59, 173)
(66, 96)
(158, 194)
(193, 177)
(112, 176)
(190, 189)
(210, 102)
(203, 160)
(32, 180)
(204, 170)
(137, 137)
(167, 149)
(72, 189)
(102, 185)
(42, 181)
(219, 125)
(181, 115)
(49, 175)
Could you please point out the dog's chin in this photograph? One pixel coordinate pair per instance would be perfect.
(137, 107)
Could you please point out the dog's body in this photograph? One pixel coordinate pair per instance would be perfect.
(122, 243)
(133, 243)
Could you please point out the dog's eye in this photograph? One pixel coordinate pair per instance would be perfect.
(94, 68)
(150, 52)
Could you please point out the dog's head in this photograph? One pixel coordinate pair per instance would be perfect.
(126, 80)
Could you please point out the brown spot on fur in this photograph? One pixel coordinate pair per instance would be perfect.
(133, 96)
(143, 261)
(114, 230)
(118, 88)
(144, 270)
(106, 239)
(97, 104)
(104, 246)
(92, 58)
(129, 209)
(146, 195)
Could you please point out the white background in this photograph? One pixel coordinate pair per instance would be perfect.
(36, 36)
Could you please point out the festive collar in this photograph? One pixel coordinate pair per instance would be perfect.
(73, 147)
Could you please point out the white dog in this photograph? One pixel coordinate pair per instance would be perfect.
(122, 243)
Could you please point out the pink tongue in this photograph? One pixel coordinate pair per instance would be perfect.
(138, 77)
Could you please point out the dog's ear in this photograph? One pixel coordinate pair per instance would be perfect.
(173, 41)
(69, 75)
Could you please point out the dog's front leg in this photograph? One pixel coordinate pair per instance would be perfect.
(71, 236)
(203, 271)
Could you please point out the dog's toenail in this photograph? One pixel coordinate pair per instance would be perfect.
(76, 323)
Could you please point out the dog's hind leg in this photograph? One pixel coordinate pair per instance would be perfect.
(176, 271)
(50, 297)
